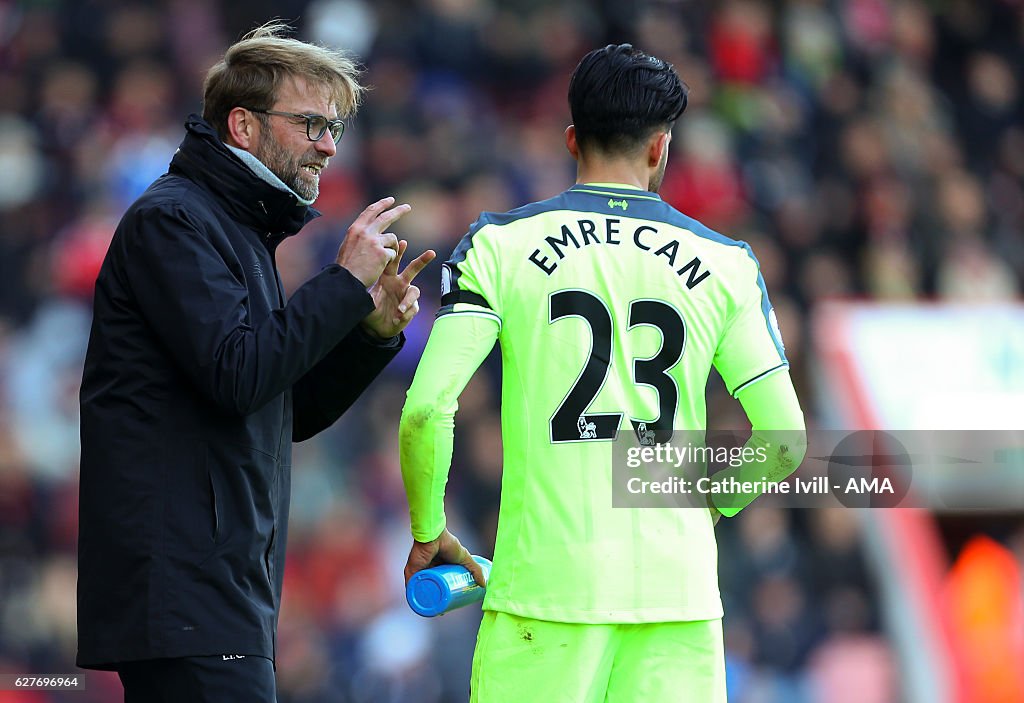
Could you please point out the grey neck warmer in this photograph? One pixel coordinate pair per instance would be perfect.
(261, 170)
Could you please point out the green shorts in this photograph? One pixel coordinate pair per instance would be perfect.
(520, 659)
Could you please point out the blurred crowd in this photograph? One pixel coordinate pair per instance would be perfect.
(864, 148)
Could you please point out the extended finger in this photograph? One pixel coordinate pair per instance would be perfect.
(372, 210)
(417, 265)
(392, 268)
(409, 300)
(387, 218)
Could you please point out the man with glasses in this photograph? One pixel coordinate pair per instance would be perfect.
(200, 374)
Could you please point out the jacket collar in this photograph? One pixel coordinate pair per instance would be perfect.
(263, 171)
(203, 158)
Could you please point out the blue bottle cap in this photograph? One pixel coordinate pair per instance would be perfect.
(428, 594)
(446, 587)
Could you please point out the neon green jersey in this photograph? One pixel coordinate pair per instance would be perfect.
(610, 308)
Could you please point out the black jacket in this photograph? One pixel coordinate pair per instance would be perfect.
(198, 377)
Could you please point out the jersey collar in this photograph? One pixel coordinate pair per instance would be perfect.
(617, 189)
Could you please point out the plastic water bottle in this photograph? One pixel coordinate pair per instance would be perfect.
(443, 588)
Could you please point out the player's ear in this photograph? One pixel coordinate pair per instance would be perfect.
(570, 142)
(657, 147)
(242, 130)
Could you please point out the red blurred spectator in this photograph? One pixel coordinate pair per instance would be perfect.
(742, 45)
(78, 254)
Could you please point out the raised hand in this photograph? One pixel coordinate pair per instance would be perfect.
(395, 299)
(368, 247)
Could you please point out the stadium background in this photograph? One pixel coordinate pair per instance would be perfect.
(867, 150)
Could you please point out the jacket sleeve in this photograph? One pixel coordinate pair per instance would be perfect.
(200, 312)
(323, 394)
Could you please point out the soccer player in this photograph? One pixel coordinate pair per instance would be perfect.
(610, 308)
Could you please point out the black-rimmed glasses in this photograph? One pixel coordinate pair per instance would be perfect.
(316, 125)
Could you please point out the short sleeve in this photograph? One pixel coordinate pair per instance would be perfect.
(751, 344)
(470, 278)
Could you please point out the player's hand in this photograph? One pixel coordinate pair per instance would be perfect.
(368, 247)
(395, 299)
(446, 549)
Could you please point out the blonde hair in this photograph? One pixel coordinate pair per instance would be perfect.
(254, 68)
